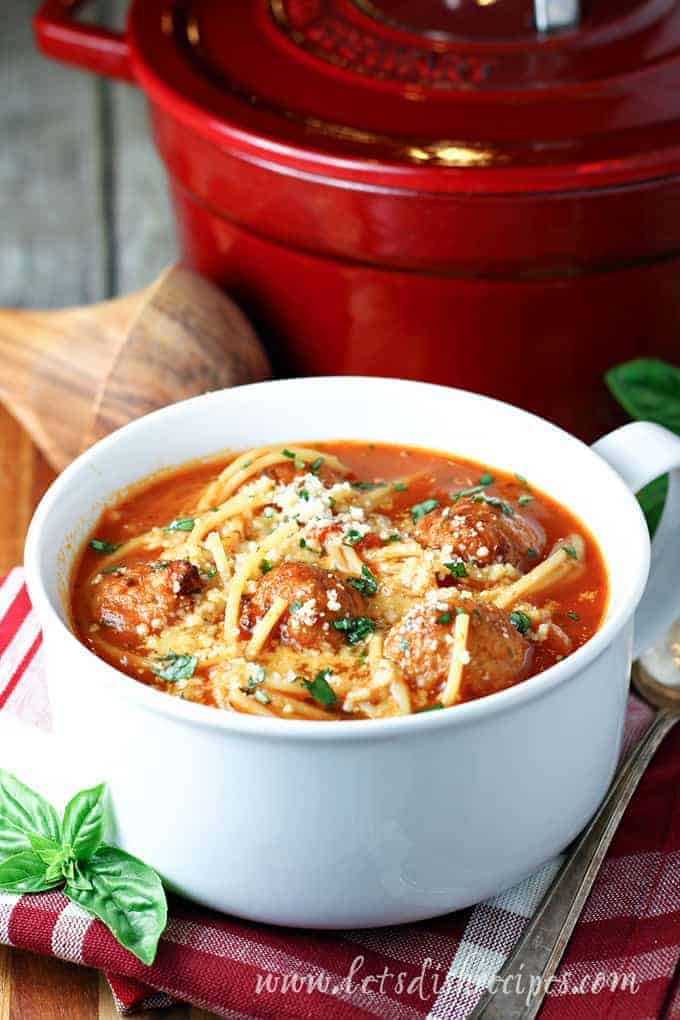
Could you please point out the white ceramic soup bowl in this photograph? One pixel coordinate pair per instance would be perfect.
(364, 822)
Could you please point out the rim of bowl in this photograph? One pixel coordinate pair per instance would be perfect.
(188, 712)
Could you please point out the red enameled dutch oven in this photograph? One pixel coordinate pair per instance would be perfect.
(432, 189)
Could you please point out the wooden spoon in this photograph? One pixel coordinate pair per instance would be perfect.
(74, 375)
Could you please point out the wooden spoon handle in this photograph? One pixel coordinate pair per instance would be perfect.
(187, 339)
(72, 376)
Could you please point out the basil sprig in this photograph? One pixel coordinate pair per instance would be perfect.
(649, 389)
(38, 852)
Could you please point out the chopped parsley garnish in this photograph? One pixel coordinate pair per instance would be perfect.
(399, 487)
(429, 708)
(295, 605)
(181, 524)
(520, 620)
(394, 537)
(572, 615)
(315, 465)
(366, 584)
(289, 454)
(352, 537)
(463, 612)
(472, 491)
(475, 612)
(261, 696)
(116, 569)
(303, 494)
(101, 546)
(420, 510)
(570, 551)
(524, 499)
(457, 569)
(177, 667)
(302, 543)
(265, 566)
(521, 478)
(532, 553)
(161, 565)
(444, 618)
(494, 501)
(486, 479)
(210, 572)
(320, 689)
(355, 628)
(367, 486)
(256, 678)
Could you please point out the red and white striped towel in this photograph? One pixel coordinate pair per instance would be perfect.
(621, 964)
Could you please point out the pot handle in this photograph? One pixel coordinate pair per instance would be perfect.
(91, 48)
(640, 452)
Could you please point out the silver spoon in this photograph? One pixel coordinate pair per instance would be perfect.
(656, 678)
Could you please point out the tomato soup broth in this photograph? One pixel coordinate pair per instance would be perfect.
(339, 580)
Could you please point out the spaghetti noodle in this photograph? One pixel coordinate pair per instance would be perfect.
(337, 581)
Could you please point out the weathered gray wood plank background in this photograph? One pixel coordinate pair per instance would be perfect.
(84, 211)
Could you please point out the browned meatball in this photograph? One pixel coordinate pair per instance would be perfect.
(283, 474)
(422, 640)
(145, 595)
(483, 533)
(315, 597)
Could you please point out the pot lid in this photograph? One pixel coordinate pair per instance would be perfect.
(459, 95)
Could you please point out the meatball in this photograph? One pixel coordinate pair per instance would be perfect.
(481, 532)
(422, 640)
(315, 598)
(143, 596)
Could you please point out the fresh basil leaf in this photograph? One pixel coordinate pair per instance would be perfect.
(54, 871)
(101, 546)
(78, 880)
(352, 536)
(24, 872)
(652, 499)
(456, 568)
(494, 501)
(48, 850)
(648, 388)
(366, 584)
(24, 813)
(521, 621)
(178, 667)
(355, 628)
(421, 509)
(181, 524)
(320, 689)
(126, 895)
(82, 828)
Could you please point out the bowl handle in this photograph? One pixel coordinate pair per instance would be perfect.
(640, 452)
(86, 46)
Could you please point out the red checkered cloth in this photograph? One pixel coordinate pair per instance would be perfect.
(620, 964)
